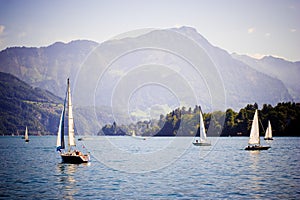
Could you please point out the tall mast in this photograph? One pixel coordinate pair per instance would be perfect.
(70, 120)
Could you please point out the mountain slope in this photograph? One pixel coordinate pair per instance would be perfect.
(22, 105)
(190, 59)
(287, 72)
(242, 83)
(102, 74)
(46, 67)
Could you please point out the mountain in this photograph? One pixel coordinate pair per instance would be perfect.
(286, 71)
(46, 67)
(174, 67)
(242, 84)
(143, 76)
(22, 105)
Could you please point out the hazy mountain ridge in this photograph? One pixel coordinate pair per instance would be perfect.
(46, 67)
(286, 71)
(242, 84)
(49, 67)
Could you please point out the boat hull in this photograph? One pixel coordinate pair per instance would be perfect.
(201, 144)
(268, 138)
(74, 159)
(257, 148)
(26, 140)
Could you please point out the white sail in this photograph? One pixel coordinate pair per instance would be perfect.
(202, 129)
(70, 119)
(254, 134)
(269, 131)
(133, 133)
(60, 144)
(26, 134)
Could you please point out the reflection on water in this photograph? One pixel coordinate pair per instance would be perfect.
(269, 142)
(254, 162)
(67, 177)
(255, 177)
(254, 159)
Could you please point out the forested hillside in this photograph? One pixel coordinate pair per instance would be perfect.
(22, 105)
(284, 117)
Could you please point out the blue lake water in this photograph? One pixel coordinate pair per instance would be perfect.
(155, 168)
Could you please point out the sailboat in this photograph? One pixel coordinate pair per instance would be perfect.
(268, 135)
(254, 140)
(72, 155)
(133, 135)
(203, 139)
(26, 135)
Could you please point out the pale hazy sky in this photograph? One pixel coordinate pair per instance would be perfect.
(254, 27)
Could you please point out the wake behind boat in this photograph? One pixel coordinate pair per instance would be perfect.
(254, 140)
(203, 139)
(72, 155)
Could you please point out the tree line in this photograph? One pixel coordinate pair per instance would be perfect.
(284, 117)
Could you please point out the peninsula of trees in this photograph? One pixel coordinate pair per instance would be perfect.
(284, 117)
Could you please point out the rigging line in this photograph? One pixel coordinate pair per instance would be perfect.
(262, 126)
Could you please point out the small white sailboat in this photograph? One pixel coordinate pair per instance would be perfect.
(254, 140)
(203, 139)
(268, 135)
(133, 135)
(26, 135)
(72, 155)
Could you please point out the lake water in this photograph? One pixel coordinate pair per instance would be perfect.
(155, 168)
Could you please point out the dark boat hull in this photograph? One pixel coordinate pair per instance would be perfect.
(201, 144)
(26, 140)
(74, 159)
(257, 148)
(268, 138)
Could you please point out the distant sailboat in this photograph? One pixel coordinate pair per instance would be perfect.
(268, 135)
(254, 140)
(26, 135)
(133, 135)
(203, 139)
(72, 155)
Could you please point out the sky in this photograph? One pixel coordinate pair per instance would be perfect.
(255, 28)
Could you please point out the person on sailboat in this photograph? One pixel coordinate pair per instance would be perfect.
(58, 149)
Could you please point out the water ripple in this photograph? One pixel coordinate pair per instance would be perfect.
(34, 171)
